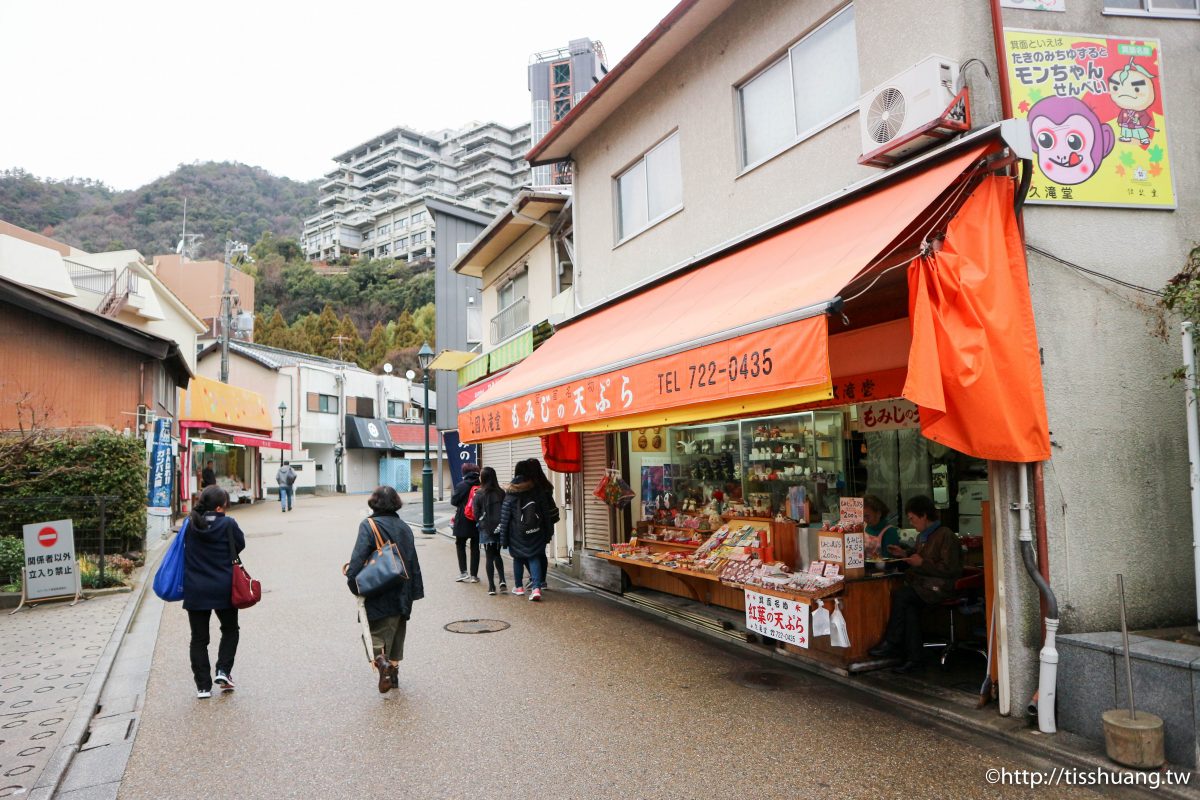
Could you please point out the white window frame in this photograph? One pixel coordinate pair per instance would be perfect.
(622, 236)
(838, 116)
(1148, 10)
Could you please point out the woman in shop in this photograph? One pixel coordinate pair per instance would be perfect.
(387, 612)
(881, 535)
(527, 519)
(934, 564)
(207, 581)
(465, 531)
(489, 497)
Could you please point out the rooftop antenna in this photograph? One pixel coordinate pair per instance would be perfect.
(188, 243)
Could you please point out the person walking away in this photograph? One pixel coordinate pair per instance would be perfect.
(212, 539)
(933, 567)
(488, 500)
(389, 611)
(465, 531)
(532, 468)
(208, 476)
(286, 478)
(526, 516)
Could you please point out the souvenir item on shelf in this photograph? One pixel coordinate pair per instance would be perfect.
(839, 636)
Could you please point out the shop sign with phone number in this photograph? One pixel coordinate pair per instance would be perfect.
(790, 356)
(778, 618)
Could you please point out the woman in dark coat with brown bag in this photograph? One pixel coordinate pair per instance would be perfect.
(387, 612)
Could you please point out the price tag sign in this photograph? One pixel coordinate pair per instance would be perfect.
(829, 548)
(854, 551)
(851, 509)
(50, 567)
(831, 570)
(816, 568)
(777, 618)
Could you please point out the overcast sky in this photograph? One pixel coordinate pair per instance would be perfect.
(125, 91)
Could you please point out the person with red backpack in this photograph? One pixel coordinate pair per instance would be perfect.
(465, 529)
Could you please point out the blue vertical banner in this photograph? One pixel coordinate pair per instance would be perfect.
(458, 454)
(161, 472)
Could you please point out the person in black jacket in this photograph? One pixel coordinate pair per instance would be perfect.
(387, 612)
(489, 497)
(212, 540)
(465, 530)
(527, 519)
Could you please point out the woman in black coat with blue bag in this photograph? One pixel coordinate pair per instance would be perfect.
(211, 540)
(388, 611)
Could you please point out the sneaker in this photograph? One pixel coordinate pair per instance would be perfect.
(224, 682)
(472, 579)
(536, 594)
(503, 587)
(462, 578)
(519, 591)
(491, 591)
(203, 694)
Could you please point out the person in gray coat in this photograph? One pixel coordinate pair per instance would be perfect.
(286, 478)
(388, 611)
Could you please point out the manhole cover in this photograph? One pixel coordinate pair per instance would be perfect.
(761, 679)
(477, 626)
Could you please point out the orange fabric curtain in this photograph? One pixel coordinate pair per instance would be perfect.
(974, 369)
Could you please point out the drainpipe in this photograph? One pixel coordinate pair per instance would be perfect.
(1048, 674)
(1193, 437)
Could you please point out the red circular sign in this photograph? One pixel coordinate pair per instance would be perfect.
(47, 537)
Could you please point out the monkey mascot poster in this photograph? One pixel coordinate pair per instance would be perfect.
(1096, 118)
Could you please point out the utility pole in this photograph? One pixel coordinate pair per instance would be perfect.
(232, 250)
(341, 340)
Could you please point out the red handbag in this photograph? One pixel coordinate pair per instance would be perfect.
(245, 591)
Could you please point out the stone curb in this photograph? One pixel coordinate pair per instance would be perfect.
(60, 762)
(1014, 734)
(13, 599)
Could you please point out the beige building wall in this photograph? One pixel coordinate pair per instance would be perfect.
(199, 284)
(534, 249)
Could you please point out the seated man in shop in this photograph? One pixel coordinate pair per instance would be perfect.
(934, 564)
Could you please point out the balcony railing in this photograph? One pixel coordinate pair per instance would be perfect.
(89, 278)
(512, 319)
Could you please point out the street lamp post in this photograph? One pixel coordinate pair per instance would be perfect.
(425, 358)
(282, 411)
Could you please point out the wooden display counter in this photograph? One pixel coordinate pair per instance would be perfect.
(866, 603)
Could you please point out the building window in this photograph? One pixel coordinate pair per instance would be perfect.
(418, 238)
(384, 230)
(367, 236)
(474, 322)
(401, 223)
(324, 403)
(814, 84)
(560, 89)
(419, 217)
(1179, 9)
(384, 249)
(395, 409)
(402, 243)
(650, 190)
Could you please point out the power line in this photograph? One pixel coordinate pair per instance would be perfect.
(1092, 272)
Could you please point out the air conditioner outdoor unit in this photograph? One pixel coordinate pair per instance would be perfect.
(914, 110)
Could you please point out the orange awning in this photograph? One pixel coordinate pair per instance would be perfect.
(742, 334)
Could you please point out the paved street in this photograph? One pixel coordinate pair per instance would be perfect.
(580, 698)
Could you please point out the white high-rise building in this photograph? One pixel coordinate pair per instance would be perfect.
(372, 205)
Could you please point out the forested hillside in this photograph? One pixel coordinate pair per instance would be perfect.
(223, 199)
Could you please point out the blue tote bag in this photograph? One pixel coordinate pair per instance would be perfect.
(168, 581)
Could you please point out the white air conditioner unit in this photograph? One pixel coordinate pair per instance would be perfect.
(914, 110)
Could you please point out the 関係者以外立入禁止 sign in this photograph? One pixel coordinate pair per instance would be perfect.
(50, 569)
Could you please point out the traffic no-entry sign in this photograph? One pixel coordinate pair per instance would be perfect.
(50, 568)
(47, 536)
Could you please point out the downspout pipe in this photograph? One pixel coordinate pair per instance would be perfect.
(1193, 439)
(1048, 672)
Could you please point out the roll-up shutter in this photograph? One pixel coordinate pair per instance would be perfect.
(597, 524)
(503, 456)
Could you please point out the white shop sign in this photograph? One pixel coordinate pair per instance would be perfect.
(777, 618)
(888, 415)
(829, 548)
(854, 550)
(50, 566)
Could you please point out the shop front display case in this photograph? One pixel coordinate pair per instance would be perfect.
(794, 450)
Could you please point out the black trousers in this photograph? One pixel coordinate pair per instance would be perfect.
(460, 546)
(904, 625)
(495, 563)
(226, 650)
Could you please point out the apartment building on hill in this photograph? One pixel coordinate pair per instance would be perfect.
(372, 205)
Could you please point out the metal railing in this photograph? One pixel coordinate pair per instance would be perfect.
(89, 278)
(513, 318)
(126, 283)
(101, 523)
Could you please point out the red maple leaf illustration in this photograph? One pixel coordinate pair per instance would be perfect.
(1156, 169)
(1120, 170)
(1024, 107)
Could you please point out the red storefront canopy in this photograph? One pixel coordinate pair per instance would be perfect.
(237, 437)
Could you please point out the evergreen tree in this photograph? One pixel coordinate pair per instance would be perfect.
(376, 348)
(405, 333)
(326, 328)
(348, 343)
(270, 331)
(425, 320)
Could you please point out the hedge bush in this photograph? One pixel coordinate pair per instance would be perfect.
(79, 464)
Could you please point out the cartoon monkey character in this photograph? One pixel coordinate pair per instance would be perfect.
(1069, 139)
(1132, 89)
